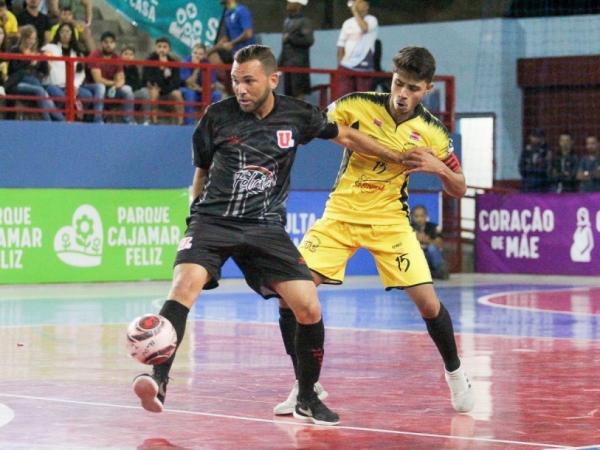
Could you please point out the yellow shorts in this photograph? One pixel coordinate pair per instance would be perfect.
(329, 244)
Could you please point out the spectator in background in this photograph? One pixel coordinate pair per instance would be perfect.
(163, 81)
(65, 44)
(83, 33)
(32, 15)
(24, 75)
(109, 79)
(356, 48)
(535, 163)
(563, 166)
(9, 25)
(238, 33)
(430, 239)
(3, 64)
(134, 79)
(297, 38)
(588, 171)
(191, 83)
(81, 9)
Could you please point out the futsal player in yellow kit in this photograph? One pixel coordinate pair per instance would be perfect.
(368, 208)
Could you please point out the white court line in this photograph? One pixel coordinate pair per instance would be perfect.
(487, 300)
(256, 419)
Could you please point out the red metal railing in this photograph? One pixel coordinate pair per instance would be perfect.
(325, 91)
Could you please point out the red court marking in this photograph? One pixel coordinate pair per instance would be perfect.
(579, 301)
(70, 388)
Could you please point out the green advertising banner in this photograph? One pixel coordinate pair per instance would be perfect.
(185, 22)
(77, 235)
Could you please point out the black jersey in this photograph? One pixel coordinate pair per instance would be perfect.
(249, 160)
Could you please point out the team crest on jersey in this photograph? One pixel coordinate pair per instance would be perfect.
(285, 139)
(378, 122)
(415, 136)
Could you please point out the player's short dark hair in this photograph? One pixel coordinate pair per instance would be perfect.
(164, 40)
(416, 207)
(260, 53)
(107, 35)
(66, 8)
(416, 61)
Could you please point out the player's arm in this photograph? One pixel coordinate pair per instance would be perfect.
(448, 171)
(361, 143)
(198, 183)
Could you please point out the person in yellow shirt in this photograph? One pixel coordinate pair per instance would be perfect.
(368, 207)
(8, 22)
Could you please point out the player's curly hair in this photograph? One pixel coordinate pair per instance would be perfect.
(261, 53)
(417, 61)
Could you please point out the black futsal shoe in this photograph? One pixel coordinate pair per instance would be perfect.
(314, 410)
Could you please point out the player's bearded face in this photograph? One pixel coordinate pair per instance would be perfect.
(407, 92)
(252, 86)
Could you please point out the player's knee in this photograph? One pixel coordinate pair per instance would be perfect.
(308, 313)
(185, 288)
(430, 310)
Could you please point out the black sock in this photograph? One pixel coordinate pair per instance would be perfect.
(176, 313)
(309, 348)
(287, 326)
(441, 331)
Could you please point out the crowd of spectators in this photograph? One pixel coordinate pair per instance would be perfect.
(111, 90)
(561, 168)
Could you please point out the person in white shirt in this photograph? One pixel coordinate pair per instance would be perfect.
(356, 48)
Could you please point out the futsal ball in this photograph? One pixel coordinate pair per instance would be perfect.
(151, 339)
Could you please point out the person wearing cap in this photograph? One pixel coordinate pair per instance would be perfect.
(297, 38)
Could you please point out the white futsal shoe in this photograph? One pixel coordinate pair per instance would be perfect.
(462, 395)
(289, 405)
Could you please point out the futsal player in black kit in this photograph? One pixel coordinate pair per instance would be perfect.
(243, 150)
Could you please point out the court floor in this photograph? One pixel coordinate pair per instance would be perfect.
(530, 344)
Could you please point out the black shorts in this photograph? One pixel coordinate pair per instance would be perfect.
(263, 251)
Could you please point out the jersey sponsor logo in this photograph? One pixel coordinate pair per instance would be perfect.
(415, 136)
(185, 244)
(369, 186)
(253, 179)
(285, 139)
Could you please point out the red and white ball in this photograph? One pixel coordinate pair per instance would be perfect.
(151, 339)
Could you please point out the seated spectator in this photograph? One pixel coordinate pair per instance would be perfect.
(191, 83)
(9, 25)
(534, 163)
(32, 15)
(563, 166)
(65, 44)
(111, 79)
(588, 172)
(163, 81)
(238, 32)
(134, 79)
(83, 33)
(24, 75)
(431, 242)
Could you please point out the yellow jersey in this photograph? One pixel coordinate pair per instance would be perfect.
(368, 190)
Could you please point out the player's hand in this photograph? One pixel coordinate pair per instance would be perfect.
(422, 160)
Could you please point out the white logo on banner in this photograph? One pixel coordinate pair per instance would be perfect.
(80, 244)
(583, 239)
(188, 28)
